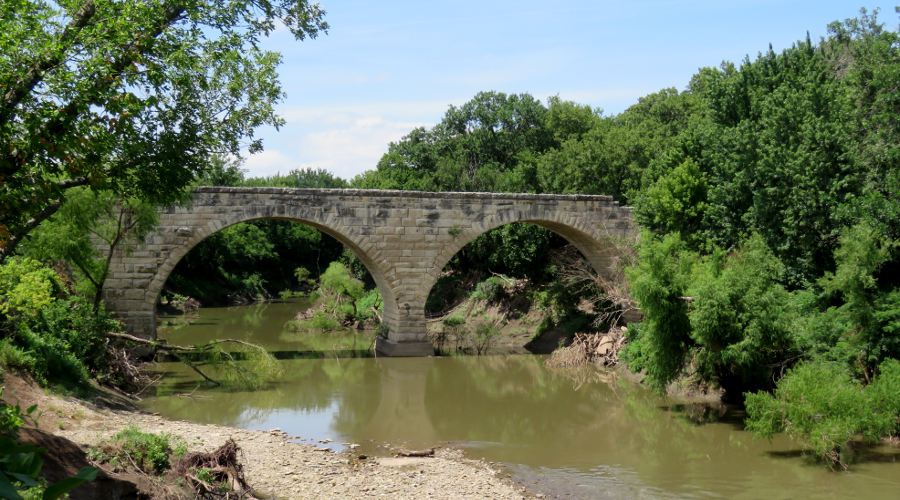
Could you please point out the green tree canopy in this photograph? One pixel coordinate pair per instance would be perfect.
(130, 96)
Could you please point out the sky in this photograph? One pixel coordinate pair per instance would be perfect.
(386, 67)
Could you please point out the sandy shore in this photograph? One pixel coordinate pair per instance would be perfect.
(276, 465)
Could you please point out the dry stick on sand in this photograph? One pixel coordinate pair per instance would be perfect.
(428, 452)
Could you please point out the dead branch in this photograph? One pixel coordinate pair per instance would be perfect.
(607, 292)
(180, 352)
(586, 348)
(428, 452)
(221, 467)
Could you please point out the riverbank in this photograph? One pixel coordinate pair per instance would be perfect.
(274, 463)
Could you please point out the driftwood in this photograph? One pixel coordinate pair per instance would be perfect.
(222, 473)
(599, 348)
(428, 452)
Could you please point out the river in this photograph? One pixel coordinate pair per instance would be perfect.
(582, 434)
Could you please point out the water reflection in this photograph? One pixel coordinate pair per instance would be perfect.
(265, 324)
(590, 430)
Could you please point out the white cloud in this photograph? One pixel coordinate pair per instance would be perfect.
(353, 146)
(267, 163)
(345, 139)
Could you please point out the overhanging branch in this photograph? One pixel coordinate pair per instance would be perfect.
(16, 92)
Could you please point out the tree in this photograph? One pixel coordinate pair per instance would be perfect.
(130, 96)
(87, 230)
(300, 178)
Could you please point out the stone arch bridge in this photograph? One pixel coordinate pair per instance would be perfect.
(404, 238)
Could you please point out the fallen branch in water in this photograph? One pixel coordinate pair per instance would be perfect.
(209, 349)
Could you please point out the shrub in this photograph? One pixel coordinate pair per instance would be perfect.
(65, 342)
(339, 283)
(741, 318)
(323, 322)
(53, 337)
(148, 452)
(26, 287)
(303, 277)
(367, 305)
(319, 322)
(659, 282)
(14, 357)
(821, 405)
(484, 336)
(489, 290)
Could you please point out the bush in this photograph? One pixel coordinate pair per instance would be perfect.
(484, 336)
(741, 318)
(659, 282)
(337, 282)
(53, 337)
(821, 405)
(868, 319)
(26, 287)
(151, 453)
(319, 322)
(725, 315)
(65, 342)
(14, 357)
(489, 290)
(366, 306)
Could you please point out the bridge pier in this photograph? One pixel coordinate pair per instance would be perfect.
(387, 347)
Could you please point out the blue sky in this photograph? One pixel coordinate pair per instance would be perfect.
(386, 67)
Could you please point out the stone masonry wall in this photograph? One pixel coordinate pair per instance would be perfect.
(405, 238)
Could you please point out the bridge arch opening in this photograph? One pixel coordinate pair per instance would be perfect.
(518, 276)
(333, 245)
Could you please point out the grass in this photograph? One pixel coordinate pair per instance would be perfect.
(147, 452)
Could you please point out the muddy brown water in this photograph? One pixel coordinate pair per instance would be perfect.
(583, 434)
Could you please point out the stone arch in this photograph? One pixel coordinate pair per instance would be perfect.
(592, 242)
(380, 270)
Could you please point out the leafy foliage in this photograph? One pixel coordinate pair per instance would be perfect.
(56, 337)
(870, 312)
(820, 404)
(741, 318)
(132, 98)
(150, 453)
(26, 288)
(659, 283)
(85, 232)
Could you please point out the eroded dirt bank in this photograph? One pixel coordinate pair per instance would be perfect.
(275, 465)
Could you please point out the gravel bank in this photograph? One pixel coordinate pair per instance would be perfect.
(276, 465)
